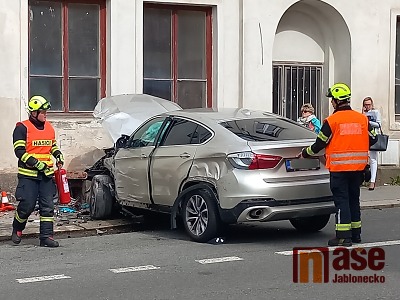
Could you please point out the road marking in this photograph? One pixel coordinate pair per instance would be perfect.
(218, 260)
(134, 269)
(42, 278)
(365, 245)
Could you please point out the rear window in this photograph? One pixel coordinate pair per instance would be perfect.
(268, 129)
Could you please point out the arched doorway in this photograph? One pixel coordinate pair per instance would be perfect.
(312, 49)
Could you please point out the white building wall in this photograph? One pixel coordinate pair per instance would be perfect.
(10, 78)
(244, 39)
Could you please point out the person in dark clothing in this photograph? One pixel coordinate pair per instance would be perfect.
(347, 136)
(34, 145)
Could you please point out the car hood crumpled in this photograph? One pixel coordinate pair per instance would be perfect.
(122, 114)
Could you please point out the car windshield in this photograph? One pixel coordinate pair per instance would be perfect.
(268, 129)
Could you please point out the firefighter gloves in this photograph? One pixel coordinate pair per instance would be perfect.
(60, 160)
(41, 166)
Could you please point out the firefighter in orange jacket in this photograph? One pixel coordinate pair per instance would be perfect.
(347, 136)
(34, 144)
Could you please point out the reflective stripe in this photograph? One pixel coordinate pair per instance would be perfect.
(350, 129)
(19, 143)
(349, 162)
(309, 151)
(322, 136)
(349, 154)
(27, 172)
(49, 171)
(34, 173)
(356, 224)
(47, 156)
(343, 227)
(46, 219)
(54, 149)
(25, 157)
(18, 218)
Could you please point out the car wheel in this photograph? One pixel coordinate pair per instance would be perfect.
(310, 224)
(101, 200)
(200, 216)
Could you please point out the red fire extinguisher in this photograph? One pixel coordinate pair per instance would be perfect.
(64, 196)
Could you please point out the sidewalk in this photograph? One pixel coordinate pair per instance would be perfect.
(73, 224)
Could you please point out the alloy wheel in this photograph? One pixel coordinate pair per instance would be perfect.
(196, 215)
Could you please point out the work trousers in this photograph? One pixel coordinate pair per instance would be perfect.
(345, 187)
(28, 192)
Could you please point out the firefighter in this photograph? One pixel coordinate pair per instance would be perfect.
(34, 144)
(347, 136)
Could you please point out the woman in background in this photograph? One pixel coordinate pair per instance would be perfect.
(308, 119)
(374, 118)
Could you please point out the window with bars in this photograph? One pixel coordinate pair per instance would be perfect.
(295, 85)
(177, 54)
(67, 53)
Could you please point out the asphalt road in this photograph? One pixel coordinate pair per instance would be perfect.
(156, 263)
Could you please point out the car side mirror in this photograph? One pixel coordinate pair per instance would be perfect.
(122, 141)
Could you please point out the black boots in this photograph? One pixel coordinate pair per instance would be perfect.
(16, 236)
(49, 242)
(356, 239)
(340, 242)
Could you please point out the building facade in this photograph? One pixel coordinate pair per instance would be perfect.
(273, 55)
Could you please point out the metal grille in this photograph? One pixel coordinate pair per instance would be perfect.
(294, 85)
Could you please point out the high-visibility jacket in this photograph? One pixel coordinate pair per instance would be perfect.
(39, 144)
(348, 148)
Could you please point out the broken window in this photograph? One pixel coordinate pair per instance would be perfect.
(177, 54)
(66, 53)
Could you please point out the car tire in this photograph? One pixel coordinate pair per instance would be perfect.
(310, 224)
(200, 215)
(101, 199)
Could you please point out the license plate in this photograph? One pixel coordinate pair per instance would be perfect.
(302, 164)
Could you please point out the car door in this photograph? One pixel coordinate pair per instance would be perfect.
(132, 162)
(171, 161)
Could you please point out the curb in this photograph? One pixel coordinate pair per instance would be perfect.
(80, 230)
(389, 204)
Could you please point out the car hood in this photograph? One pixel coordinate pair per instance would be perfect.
(123, 114)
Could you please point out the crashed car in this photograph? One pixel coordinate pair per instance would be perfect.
(212, 167)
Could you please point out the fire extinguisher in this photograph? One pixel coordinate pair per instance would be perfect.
(64, 196)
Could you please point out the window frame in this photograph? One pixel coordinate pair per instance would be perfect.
(174, 123)
(174, 46)
(396, 50)
(394, 123)
(64, 51)
(171, 124)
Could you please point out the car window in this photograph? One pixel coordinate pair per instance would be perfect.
(146, 135)
(268, 129)
(200, 135)
(181, 133)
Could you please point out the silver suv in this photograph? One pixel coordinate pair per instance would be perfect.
(211, 167)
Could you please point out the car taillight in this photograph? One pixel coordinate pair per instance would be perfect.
(253, 161)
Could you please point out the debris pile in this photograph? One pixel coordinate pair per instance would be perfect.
(74, 213)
